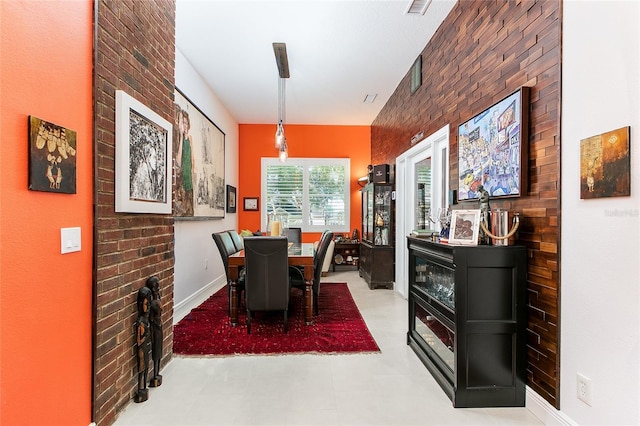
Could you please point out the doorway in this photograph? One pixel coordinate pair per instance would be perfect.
(422, 188)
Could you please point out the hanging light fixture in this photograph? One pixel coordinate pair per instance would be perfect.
(280, 126)
(280, 51)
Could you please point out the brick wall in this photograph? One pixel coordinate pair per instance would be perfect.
(484, 51)
(134, 52)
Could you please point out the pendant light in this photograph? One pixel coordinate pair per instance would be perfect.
(280, 51)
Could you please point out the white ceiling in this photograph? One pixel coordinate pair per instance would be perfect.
(339, 51)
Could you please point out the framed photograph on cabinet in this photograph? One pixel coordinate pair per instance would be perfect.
(231, 199)
(493, 151)
(143, 158)
(465, 226)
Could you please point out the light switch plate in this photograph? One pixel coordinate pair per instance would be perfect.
(70, 240)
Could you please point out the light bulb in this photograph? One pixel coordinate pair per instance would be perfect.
(279, 135)
(284, 154)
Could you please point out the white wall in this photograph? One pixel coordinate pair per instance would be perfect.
(600, 257)
(198, 266)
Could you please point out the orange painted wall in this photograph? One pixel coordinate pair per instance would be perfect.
(310, 141)
(45, 297)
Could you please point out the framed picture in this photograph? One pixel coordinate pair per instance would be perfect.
(198, 163)
(605, 165)
(143, 155)
(251, 203)
(231, 199)
(492, 149)
(416, 74)
(465, 225)
(52, 157)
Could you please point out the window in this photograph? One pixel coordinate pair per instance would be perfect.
(311, 193)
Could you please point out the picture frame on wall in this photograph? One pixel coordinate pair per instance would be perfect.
(605, 165)
(493, 151)
(198, 163)
(465, 227)
(251, 203)
(144, 143)
(52, 157)
(231, 199)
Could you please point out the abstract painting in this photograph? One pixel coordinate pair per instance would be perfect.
(605, 165)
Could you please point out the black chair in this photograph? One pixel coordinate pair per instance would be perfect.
(226, 247)
(318, 259)
(294, 235)
(266, 276)
(237, 241)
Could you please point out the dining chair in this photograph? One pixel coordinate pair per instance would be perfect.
(266, 276)
(318, 259)
(226, 247)
(294, 235)
(237, 240)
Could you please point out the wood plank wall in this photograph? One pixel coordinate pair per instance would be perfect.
(482, 52)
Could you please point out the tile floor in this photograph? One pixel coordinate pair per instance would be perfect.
(388, 388)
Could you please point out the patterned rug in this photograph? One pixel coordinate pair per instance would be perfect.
(338, 328)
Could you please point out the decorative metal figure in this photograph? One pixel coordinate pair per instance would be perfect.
(484, 214)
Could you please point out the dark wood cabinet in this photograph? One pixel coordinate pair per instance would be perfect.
(467, 320)
(377, 265)
(377, 251)
(346, 256)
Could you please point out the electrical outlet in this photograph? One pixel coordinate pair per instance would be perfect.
(584, 389)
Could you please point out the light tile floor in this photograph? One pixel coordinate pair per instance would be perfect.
(388, 388)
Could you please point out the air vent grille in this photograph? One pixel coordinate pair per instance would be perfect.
(418, 7)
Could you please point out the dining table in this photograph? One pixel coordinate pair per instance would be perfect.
(299, 254)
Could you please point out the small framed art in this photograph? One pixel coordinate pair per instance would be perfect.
(231, 199)
(52, 157)
(465, 225)
(251, 204)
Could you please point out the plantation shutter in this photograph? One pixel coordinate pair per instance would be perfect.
(285, 192)
(309, 193)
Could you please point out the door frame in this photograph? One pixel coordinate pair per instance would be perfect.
(435, 146)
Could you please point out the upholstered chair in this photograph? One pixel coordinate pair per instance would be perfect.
(318, 260)
(266, 276)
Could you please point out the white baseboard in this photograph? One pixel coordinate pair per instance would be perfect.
(546, 412)
(183, 308)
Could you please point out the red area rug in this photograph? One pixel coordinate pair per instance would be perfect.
(338, 328)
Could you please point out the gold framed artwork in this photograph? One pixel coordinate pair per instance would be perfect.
(52, 157)
(605, 165)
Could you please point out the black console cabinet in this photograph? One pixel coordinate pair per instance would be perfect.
(467, 320)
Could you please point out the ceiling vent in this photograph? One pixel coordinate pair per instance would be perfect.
(418, 7)
(369, 98)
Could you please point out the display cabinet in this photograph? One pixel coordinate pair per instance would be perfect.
(377, 252)
(346, 255)
(467, 320)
